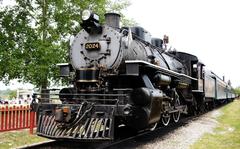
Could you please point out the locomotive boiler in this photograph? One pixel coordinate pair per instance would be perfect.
(120, 77)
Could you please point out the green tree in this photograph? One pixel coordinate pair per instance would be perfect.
(35, 36)
(117, 6)
(8, 94)
(12, 94)
(237, 91)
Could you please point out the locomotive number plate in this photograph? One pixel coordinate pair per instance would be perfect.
(93, 46)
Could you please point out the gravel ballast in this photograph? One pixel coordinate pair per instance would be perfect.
(184, 136)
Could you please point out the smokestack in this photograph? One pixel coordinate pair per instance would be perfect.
(223, 78)
(112, 19)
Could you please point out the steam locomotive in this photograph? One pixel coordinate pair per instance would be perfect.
(123, 77)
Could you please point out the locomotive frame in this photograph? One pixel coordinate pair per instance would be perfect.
(122, 77)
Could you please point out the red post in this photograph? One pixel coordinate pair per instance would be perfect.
(6, 118)
(27, 115)
(32, 113)
(14, 117)
(17, 117)
(21, 117)
(10, 118)
(2, 118)
(24, 116)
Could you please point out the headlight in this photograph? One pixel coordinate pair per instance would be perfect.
(90, 22)
(86, 14)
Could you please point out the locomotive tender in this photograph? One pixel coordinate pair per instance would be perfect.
(123, 77)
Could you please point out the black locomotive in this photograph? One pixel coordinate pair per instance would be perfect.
(123, 77)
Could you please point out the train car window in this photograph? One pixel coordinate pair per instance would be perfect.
(194, 70)
(194, 66)
(202, 72)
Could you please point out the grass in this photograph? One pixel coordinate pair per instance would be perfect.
(13, 139)
(227, 133)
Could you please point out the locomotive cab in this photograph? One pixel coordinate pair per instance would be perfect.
(196, 70)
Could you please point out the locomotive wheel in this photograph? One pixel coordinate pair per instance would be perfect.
(165, 119)
(153, 126)
(176, 115)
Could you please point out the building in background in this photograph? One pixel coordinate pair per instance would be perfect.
(24, 95)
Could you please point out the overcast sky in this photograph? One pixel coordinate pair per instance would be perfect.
(209, 29)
